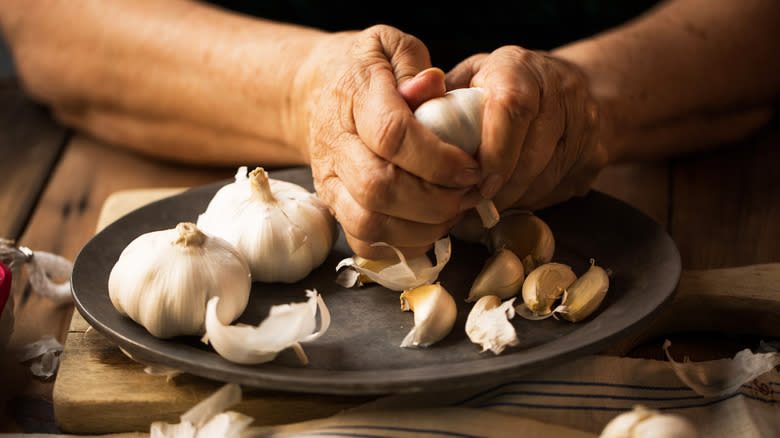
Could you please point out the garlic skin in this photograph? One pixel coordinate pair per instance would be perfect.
(647, 423)
(502, 276)
(544, 285)
(282, 229)
(488, 324)
(526, 235)
(584, 295)
(395, 275)
(286, 326)
(163, 280)
(456, 118)
(434, 314)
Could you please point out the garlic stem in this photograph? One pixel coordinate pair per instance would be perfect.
(259, 180)
(189, 235)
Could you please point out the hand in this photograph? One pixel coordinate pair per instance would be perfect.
(385, 176)
(540, 127)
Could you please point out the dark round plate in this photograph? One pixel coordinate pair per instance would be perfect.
(360, 354)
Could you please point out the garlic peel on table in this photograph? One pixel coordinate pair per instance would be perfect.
(163, 280)
(282, 229)
(400, 275)
(435, 312)
(488, 324)
(286, 326)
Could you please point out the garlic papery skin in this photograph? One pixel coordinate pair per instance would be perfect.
(584, 295)
(282, 229)
(434, 314)
(525, 234)
(286, 326)
(488, 324)
(544, 285)
(163, 280)
(397, 275)
(502, 276)
(456, 118)
(647, 423)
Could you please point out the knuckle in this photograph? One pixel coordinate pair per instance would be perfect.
(376, 189)
(392, 127)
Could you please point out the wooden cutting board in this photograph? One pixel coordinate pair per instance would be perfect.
(99, 390)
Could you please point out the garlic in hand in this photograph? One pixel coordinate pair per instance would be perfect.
(526, 235)
(544, 285)
(648, 423)
(456, 118)
(395, 275)
(163, 280)
(502, 275)
(584, 295)
(434, 314)
(282, 229)
(286, 326)
(488, 324)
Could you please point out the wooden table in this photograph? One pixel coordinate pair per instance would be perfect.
(722, 208)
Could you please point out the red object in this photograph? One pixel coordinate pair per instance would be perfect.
(5, 285)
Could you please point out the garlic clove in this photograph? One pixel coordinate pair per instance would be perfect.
(502, 275)
(488, 324)
(469, 229)
(641, 422)
(434, 314)
(285, 327)
(544, 285)
(400, 275)
(584, 295)
(526, 235)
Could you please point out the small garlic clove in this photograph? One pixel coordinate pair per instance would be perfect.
(434, 314)
(285, 327)
(502, 276)
(544, 285)
(525, 234)
(398, 275)
(641, 422)
(488, 324)
(584, 295)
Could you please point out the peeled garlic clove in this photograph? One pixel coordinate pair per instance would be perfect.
(544, 285)
(502, 276)
(285, 327)
(434, 314)
(401, 274)
(647, 423)
(488, 324)
(526, 235)
(163, 280)
(585, 294)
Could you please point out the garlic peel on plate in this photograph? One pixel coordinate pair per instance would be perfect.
(163, 280)
(286, 326)
(488, 324)
(435, 312)
(282, 229)
(401, 275)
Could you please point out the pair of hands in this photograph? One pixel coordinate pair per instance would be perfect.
(388, 178)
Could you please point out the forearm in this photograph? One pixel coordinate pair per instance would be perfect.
(687, 75)
(175, 79)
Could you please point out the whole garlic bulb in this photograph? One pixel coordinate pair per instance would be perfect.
(163, 280)
(282, 229)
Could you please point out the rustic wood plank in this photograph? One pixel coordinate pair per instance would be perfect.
(29, 148)
(644, 186)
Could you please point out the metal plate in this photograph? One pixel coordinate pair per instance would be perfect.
(360, 354)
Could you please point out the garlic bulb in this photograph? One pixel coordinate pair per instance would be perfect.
(163, 280)
(526, 235)
(502, 275)
(544, 285)
(285, 327)
(434, 314)
(584, 295)
(456, 118)
(395, 275)
(282, 229)
(648, 423)
(488, 324)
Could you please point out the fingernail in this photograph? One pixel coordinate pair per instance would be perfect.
(470, 199)
(467, 177)
(491, 186)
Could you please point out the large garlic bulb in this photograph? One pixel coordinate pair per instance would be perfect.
(282, 229)
(163, 280)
